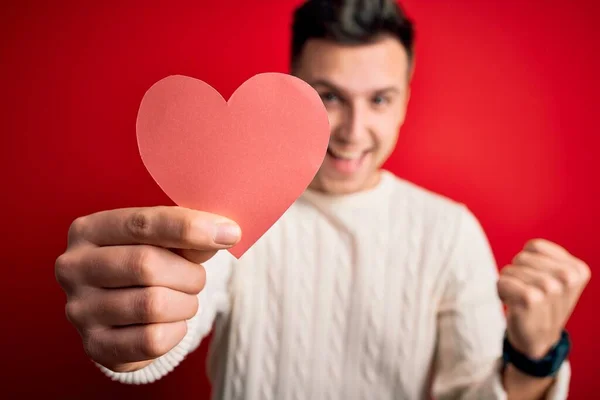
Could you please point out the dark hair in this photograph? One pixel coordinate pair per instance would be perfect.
(350, 22)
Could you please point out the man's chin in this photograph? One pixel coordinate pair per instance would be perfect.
(335, 185)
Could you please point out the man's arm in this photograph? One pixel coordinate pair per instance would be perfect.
(521, 386)
(540, 289)
(213, 300)
(472, 326)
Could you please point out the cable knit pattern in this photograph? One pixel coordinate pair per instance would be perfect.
(272, 331)
(339, 316)
(408, 329)
(241, 342)
(383, 294)
(375, 279)
(303, 312)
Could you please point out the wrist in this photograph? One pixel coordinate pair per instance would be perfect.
(519, 385)
(536, 351)
(537, 363)
(539, 352)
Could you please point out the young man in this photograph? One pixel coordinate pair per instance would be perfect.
(368, 287)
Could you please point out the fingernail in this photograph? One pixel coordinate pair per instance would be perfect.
(227, 233)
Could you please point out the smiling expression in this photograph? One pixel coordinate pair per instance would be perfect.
(365, 89)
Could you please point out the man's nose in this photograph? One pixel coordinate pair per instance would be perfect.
(355, 123)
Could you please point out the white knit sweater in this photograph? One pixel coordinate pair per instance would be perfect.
(384, 294)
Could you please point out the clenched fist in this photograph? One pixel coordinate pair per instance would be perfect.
(132, 276)
(540, 290)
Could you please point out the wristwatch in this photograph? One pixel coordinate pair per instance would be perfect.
(543, 367)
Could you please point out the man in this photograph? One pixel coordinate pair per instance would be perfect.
(368, 287)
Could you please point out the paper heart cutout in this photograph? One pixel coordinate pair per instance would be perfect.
(247, 159)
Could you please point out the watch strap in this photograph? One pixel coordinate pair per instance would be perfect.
(543, 367)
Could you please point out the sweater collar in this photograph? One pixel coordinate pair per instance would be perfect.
(366, 198)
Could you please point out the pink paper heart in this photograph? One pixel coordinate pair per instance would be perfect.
(247, 159)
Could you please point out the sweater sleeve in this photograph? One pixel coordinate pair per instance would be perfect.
(472, 323)
(213, 300)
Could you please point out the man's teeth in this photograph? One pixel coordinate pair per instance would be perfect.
(347, 155)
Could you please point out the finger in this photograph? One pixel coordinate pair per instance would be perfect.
(118, 348)
(169, 227)
(547, 284)
(120, 307)
(568, 272)
(126, 266)
(514, 292)
(548, 248)
(545, 281)
(195, 256)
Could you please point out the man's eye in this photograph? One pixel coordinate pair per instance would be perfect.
(329, 97)
(379, 100)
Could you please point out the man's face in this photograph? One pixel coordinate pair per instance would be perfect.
(365, 89)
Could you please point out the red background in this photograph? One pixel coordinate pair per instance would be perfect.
(502, 117)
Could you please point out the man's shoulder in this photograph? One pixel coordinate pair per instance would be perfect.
(435, 221)
(435, 213)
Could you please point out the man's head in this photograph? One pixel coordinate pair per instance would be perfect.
(358, 55)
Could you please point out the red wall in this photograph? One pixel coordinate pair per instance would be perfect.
(503, 117)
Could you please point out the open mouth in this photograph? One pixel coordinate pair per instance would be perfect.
(346, 162)
(346, 155)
